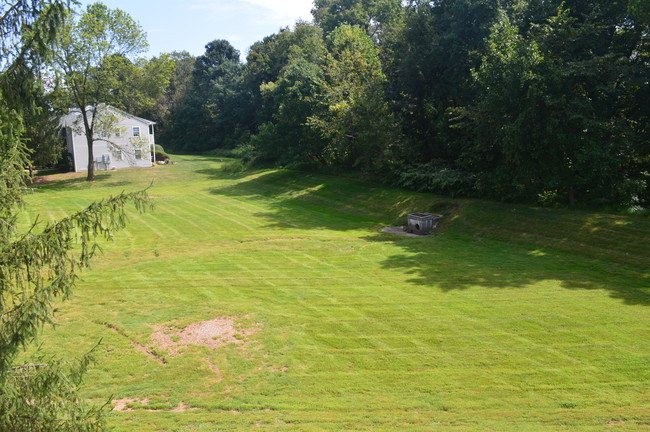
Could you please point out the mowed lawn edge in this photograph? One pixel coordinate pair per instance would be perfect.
(509, 318)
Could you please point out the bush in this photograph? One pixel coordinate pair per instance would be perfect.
(161, 156)
(65, 163)
(438, 178)
(234, 167)
(247, 152)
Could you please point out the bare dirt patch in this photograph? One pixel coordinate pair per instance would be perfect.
(122, 405)
(212, 334)
(615, 422)
(182, 406)
(42, 179)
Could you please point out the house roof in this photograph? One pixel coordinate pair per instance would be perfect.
(74, 113)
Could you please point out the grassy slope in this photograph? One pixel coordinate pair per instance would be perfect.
(511, 319)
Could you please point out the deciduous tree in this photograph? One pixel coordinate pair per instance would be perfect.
(371, 15)
(555, 108)
(285, 136)
(83, 47)
(207, 117)
(356, 120)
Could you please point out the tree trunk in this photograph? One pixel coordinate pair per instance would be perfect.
(88, 129)
(91, 159)
(572, 196)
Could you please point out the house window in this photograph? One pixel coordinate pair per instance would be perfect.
(118, 154)
(138, 154)
(136, 131)
(150, 129)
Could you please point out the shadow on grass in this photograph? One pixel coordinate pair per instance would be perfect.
(316, 201)
(453, 261)
(480, 244)
(68, 180)
(221, 174)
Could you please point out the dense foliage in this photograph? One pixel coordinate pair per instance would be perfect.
(514, 100)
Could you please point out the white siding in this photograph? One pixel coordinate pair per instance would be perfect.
(120, 144)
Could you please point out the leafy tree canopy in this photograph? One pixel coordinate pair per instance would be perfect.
(84, 47)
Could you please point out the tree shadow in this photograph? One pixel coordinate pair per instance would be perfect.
(479, 244)
(68, 180)
(221, 174)
(453, 260)
(317, 201)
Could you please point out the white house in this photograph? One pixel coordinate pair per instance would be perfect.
(122, 140)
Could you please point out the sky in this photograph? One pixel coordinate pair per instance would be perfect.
(188, 25)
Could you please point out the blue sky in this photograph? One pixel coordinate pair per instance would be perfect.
(177, 25)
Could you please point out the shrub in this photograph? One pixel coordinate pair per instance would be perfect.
(438, 178)
(234, 167)
(247, 152)
(65, 163)
(161, 156)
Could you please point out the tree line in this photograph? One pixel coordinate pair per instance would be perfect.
(515, 100)
(518, 100)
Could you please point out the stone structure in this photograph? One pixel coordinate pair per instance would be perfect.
(421, 223)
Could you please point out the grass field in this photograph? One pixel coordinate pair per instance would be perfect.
(510, 319)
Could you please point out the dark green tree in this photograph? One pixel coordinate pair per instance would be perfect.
(428, 60)
(207, 117)
(167, 104)
(292, 97)
(264, 62)
(371, 15)
(555, 112)
(43, 129)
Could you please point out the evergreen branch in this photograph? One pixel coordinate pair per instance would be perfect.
(29, 366)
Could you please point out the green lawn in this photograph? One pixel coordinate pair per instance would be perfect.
(511, 319)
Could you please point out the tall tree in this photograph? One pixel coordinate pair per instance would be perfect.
(207, 116)
(170, 102)
(39, 266)
(555, 113)
(43, 128)
(428, 60)
(356, 119)
(135, 86)
(371, 15)
(285, 137)
(83, 47)
(265, 61)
